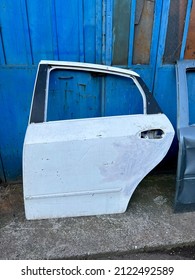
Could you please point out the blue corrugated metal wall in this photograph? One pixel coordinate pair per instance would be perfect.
(73, 30)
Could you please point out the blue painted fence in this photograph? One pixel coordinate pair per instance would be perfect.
(96, 31)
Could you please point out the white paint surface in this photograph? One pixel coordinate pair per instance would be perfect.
(89, 166)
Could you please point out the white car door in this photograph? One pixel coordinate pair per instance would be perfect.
(89, 166)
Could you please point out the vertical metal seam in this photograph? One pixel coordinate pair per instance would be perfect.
(154, 54)
(103, 32)
(131, 32)
(2, 46)
(102, 93)
(54, 26)
(163, 32)
(157, 19)
(98, 39)
(29, 35)
(81, 31)
(108, 31)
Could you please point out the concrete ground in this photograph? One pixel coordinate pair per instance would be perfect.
(149, 229)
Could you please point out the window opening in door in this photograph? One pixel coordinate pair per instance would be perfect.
(81, 94)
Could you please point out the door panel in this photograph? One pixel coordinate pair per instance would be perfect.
(88, 166)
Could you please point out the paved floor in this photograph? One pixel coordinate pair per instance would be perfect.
(148, 229)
